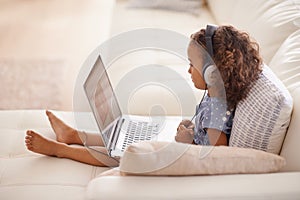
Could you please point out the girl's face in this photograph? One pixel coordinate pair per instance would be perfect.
(195, 69)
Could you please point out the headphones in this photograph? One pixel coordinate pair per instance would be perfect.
(209, 66)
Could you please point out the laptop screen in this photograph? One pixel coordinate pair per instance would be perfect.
(102, 99)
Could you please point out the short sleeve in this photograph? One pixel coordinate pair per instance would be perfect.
(216, 116)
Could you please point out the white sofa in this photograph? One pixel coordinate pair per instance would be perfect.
(274, 24)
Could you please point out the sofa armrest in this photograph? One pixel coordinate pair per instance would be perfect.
(258, 186)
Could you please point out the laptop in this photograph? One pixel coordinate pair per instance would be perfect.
(117, 129)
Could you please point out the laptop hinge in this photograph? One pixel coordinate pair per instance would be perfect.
(116, 134)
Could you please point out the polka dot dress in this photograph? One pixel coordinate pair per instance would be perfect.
(212, 113)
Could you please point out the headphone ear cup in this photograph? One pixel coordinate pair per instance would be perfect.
(208, 76)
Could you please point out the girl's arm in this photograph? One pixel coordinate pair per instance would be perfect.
(186, 135)
(216, 137)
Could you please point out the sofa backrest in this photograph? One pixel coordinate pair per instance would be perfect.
(286, 65)
(291, 148)
(274, 25)
(269, 22)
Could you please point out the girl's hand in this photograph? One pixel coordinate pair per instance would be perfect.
(187, 123)
(184, 135)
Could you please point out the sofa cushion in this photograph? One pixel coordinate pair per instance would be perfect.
(171, 158)
(269, 22)
(27, 175)
(262, 118)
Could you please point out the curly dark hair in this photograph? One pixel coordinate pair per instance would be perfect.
(237, 59)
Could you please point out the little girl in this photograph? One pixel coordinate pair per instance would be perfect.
(236, 64)
(226, 72)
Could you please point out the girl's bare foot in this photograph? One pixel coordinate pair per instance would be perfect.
(38, 144)
(64, 133)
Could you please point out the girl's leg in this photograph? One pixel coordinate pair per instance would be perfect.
(39, 144)
(68, 135)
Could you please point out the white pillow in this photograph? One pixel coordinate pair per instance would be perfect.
(189, 6)
(178, 159)
(261, 120)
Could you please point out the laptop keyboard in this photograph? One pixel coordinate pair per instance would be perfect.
(139, 131)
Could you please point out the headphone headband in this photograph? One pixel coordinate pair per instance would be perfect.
(209, 66)
(209, 32)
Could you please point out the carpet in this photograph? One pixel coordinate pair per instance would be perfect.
(32, 84)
